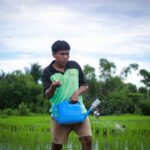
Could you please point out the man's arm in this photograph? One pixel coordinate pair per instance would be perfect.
(74, 97)
(51, 90)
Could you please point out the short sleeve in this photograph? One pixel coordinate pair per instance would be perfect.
(46, 79)
(82, 80)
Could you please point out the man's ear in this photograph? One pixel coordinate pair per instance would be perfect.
(53, 54)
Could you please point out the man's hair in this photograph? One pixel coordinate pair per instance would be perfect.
(60, 45)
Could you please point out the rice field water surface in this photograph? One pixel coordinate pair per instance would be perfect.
(125, 132)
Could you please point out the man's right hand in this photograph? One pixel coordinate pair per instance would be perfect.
(56, 84)
(50, 91)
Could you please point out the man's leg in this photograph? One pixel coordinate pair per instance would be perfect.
(83, 130)
(56, 146)
(86, 142)
(59, 134)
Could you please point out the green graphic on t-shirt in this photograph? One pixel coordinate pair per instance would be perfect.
(69, 84)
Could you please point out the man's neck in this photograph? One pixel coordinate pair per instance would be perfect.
(59, 67)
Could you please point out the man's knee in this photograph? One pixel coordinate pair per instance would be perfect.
(87, 140)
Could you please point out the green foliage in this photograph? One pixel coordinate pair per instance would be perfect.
(17, 87)
(10, 112)
(109, 132)
(89, 72)
(23, 110)
(90, 75)
(35, 71)
(113, 84)
(125, 71)
(22, 93)
(145, 107)
(138, 110)
(107, 69)
(146, 77)
(13, 88)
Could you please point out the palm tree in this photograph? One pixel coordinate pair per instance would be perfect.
(107, 69)
(35, 71)
(146, 80)
(125, 71)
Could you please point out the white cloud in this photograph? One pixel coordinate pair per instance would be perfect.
(116, 30)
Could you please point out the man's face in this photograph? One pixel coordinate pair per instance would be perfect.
(61, 57)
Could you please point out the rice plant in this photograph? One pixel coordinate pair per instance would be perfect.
(126, 132)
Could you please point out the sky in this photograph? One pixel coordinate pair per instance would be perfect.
(117, 30)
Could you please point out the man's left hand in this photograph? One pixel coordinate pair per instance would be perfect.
(74, 98)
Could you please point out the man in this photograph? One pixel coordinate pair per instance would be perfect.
(64, 79)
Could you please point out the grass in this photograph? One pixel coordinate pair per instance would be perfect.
(114, 132)
(28, 121)
(130, 121)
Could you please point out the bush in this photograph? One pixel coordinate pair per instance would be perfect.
(9, 112)
(1, 112)
(145, 107)
(138, 111)
(23, 110)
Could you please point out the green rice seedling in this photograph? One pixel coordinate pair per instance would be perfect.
(127, 132)
(123, 132)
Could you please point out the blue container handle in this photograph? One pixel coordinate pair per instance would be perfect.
(72, 104)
